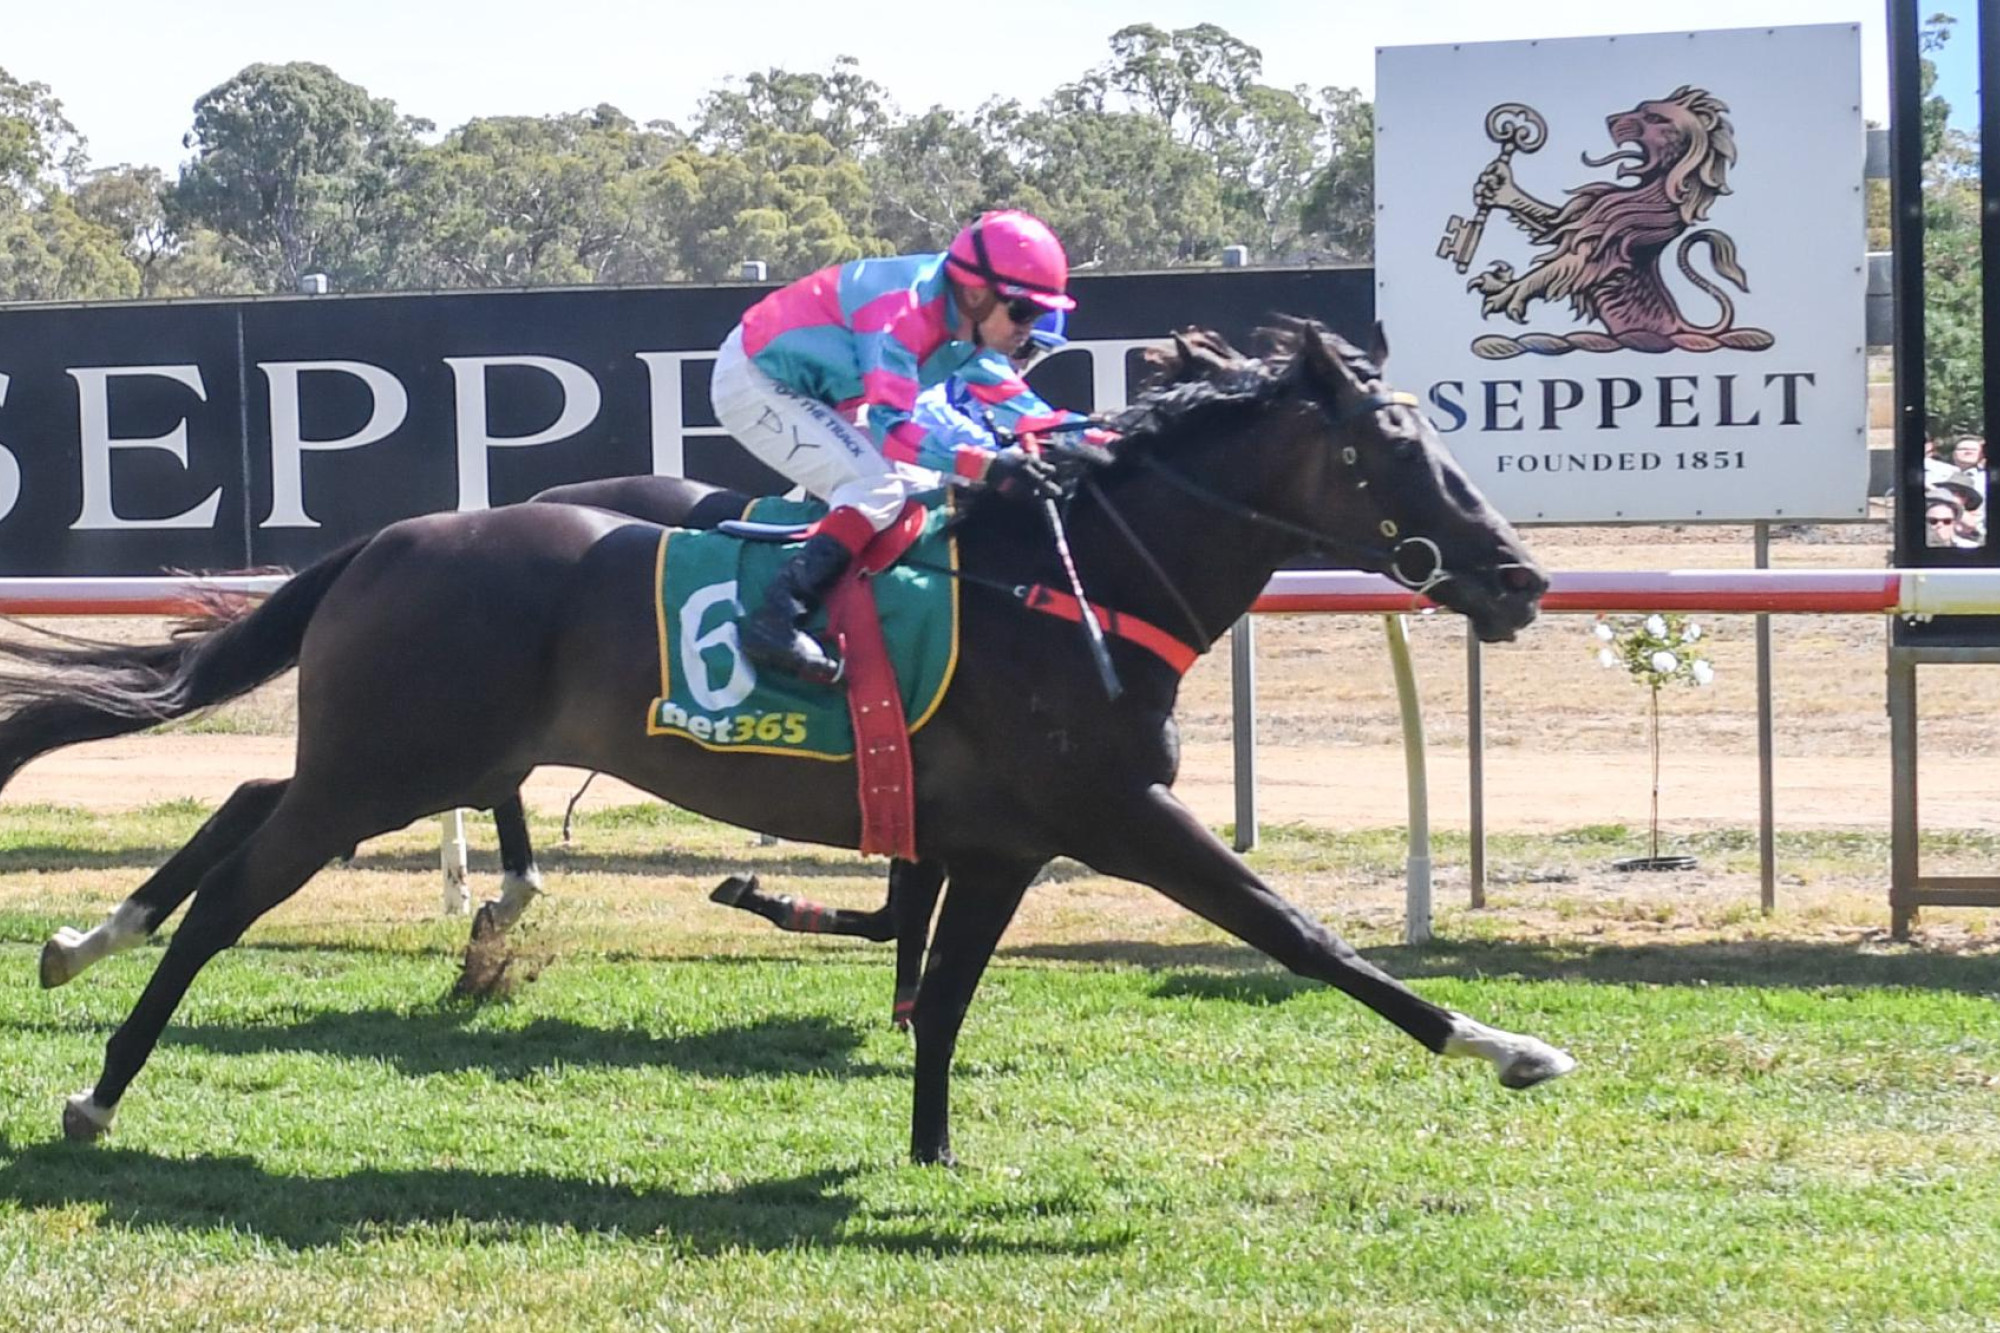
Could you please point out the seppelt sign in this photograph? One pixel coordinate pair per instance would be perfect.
(1627, 273)
(140, 437)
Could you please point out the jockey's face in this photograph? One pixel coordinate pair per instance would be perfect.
(993, 321)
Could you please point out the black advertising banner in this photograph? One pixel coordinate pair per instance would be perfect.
(137, 438)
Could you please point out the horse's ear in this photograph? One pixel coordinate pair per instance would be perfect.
(1319, 360)
(1378, 345)
(1167, 364)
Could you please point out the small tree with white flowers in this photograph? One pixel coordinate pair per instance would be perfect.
(1657, 651)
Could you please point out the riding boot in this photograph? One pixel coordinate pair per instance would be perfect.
(773, 635)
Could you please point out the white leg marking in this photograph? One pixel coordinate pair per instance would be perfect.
(516, 892)
(83, 1119)
(1521, 1061)
(69, 951)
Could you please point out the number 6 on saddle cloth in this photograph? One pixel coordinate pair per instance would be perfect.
(896, 623)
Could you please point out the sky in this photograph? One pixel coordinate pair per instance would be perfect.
(129, 74)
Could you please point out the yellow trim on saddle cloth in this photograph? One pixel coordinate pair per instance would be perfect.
(660, 625)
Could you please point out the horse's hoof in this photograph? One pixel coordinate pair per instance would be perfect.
(84, 1121)
(933, 1157)
(1537, 1066)
(733, 890)
(59, 966)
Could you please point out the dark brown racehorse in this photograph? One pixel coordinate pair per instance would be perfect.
(443, 658)
(1193, 355)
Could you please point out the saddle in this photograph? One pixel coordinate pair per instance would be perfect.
(895, 624)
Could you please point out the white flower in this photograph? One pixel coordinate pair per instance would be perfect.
(1664, 662)
(1704, 674)
(1691, 633)
(1603, 631)
(1656, 626)
(1606, 658)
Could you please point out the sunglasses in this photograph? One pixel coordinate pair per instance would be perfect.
(1023, 311)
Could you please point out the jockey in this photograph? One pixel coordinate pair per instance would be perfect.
(871, 335)
(990, 389)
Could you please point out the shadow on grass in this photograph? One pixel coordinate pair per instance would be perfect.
(140, 1190)
(794, 861)
(445, 1041)
(1227, 972)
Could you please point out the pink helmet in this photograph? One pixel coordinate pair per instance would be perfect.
(1017, 255)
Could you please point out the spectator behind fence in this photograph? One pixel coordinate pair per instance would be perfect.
(1954, 516)
(1962, 461)
(1942, 513)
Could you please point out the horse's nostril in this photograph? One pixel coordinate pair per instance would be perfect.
(1520, 578)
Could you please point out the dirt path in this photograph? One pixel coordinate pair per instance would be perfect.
(1331, 786)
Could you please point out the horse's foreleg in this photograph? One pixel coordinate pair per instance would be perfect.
(982, 900)
(1158, 841)
(520, 880)
(69, 951)
(803, 914)
(913, 895)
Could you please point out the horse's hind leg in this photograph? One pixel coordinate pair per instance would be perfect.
(69, 951)
(520, 880)
(276, 860)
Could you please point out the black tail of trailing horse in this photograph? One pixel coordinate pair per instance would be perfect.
(66, 691)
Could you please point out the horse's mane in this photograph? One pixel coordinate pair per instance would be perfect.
(1203, 384)
(1206, 378)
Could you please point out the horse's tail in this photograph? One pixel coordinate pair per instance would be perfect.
(1722, 253)
(82, 690)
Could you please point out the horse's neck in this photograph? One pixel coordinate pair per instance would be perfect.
(1215, 561)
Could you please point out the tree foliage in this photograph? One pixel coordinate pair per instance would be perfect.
(1953, 365)
(1170, 149)
(295, 168)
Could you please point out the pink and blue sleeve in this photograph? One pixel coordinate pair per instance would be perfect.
(892, 333)
(996, 388)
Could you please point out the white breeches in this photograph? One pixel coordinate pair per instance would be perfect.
(808, 441)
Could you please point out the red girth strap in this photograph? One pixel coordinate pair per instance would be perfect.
(1055, 602)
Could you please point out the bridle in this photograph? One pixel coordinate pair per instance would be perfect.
(1413, 561)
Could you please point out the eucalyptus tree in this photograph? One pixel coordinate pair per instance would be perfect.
(296, 169)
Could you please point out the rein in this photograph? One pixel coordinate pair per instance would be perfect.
(1387, 558)
(1179, 655)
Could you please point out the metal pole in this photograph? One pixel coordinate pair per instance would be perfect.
(1475, 741)
(1906, 231)
(1902, 791)
(1243, 730)
(1767, 843)
(1988, 38)
(1417, 875)
(451, 858)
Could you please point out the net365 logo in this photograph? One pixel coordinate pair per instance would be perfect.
(1604, 246)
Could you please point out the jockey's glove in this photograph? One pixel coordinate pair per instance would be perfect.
(1016, 474)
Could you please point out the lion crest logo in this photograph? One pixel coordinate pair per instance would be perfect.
(1603, 247)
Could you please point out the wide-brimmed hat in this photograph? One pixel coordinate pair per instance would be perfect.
(1966, 497)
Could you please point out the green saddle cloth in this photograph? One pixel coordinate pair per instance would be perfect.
(713, 695)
